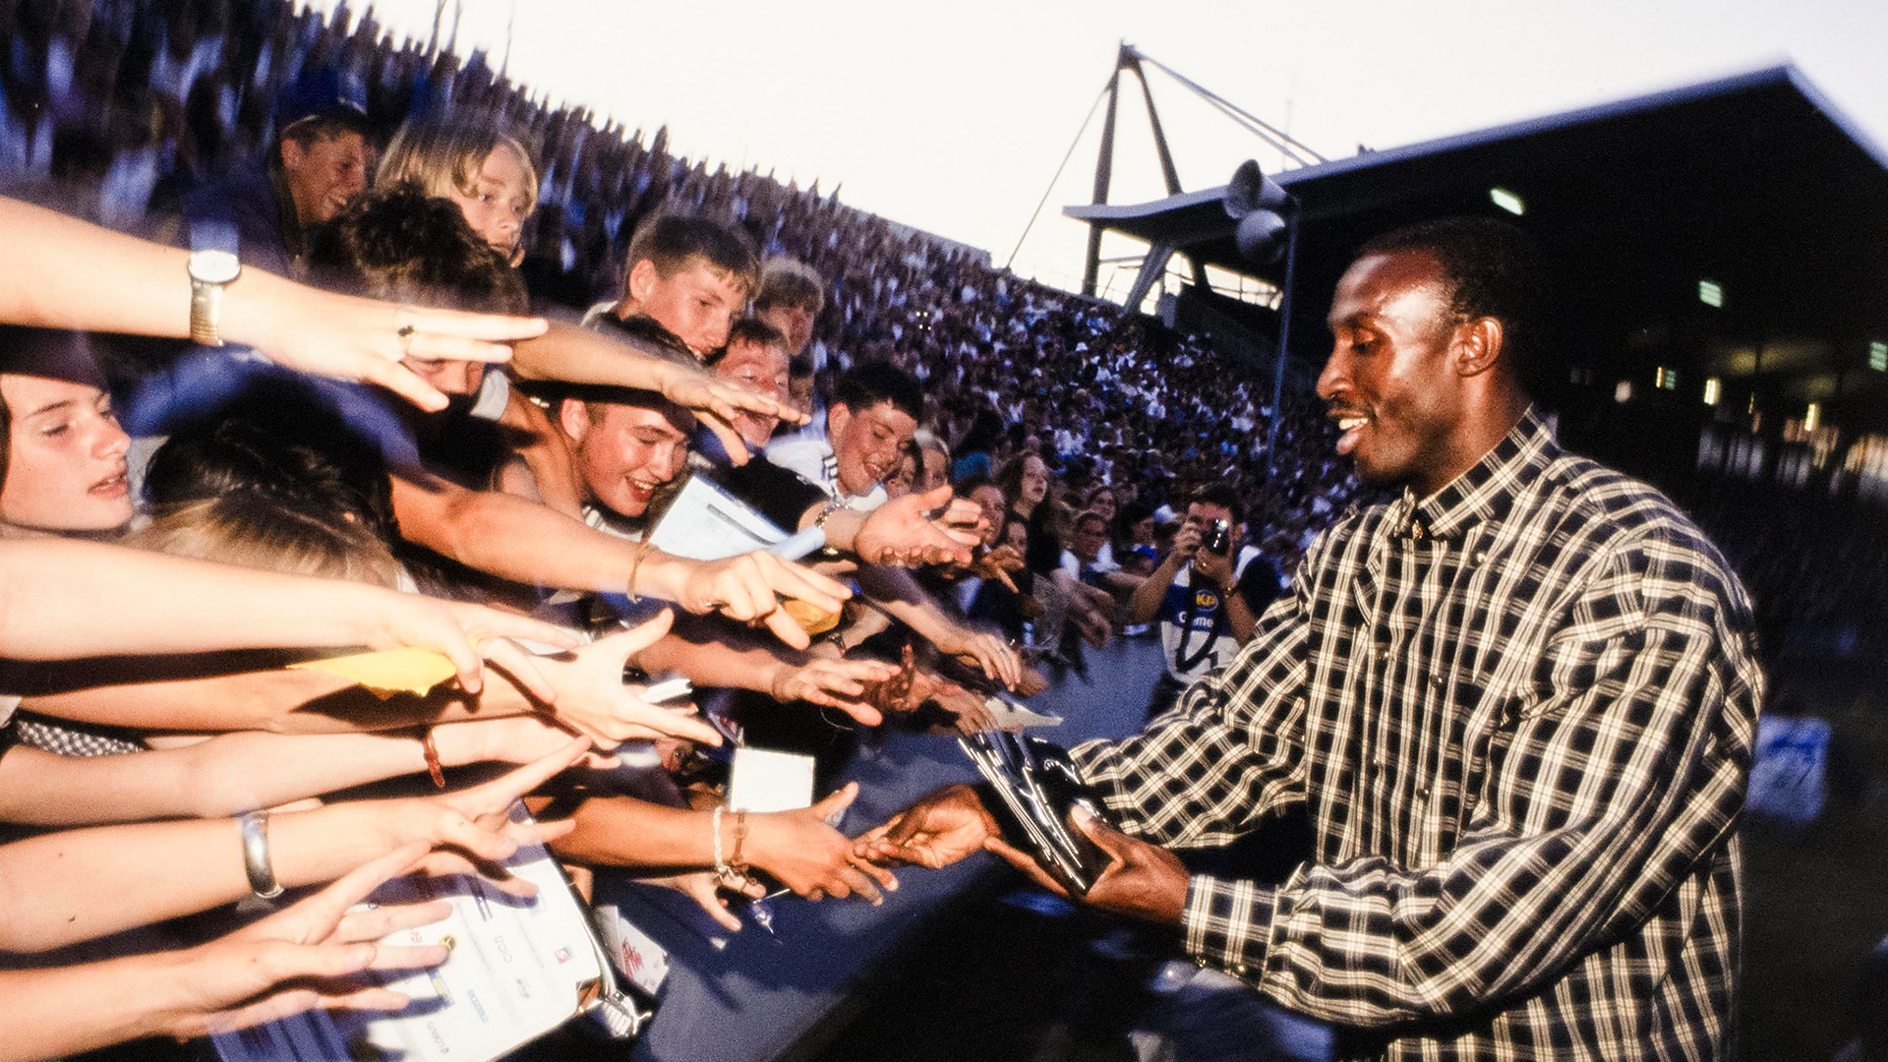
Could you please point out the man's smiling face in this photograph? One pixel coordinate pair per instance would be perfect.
(1389, 383)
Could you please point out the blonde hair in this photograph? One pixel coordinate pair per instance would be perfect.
(440, 158)
(250, 531)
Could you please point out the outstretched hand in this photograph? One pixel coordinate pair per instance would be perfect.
(308, 955)
(592, 697)
(903, 532)
(365, 340)
(943, 828)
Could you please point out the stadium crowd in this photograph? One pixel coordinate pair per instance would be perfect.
(991, 473)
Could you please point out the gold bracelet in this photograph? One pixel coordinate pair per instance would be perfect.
(635, 565)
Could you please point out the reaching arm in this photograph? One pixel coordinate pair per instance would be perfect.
(233, 773)
(581, 356)
(304, 956)
(63, 888)
(527, 543)
(50, 588)
(58, 266)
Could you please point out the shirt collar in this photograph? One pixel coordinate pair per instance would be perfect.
(1486, 491)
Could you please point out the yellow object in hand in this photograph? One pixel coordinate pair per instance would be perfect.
(388, 671)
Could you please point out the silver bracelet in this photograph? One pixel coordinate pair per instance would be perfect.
(255, 829)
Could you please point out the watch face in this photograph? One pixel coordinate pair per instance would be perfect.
(214, 267)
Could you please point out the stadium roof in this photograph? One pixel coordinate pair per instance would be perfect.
(1753, 183)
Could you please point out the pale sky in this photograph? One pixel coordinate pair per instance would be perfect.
(953, 117)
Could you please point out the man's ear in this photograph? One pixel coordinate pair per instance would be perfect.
(1478, 346)
(574, 418)
(642, 280)
(838, 415)
(292, 155)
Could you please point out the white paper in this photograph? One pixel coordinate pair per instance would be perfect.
(706, 523)
(1010, 715)
(765, 780)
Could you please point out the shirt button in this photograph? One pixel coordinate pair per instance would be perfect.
(1201, 963)
(1238, 969)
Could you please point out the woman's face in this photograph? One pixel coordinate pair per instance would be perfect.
(898, 484)
(1035, 485)
(1103, 505)
(65, 457)
(989, 497)
(499, 200)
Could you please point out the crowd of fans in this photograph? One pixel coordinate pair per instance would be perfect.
(993, 473)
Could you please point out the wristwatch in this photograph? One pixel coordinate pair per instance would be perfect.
(211, 270)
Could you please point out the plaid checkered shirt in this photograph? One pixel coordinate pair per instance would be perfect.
(1520, 713)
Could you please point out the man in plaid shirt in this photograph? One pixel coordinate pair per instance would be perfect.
(1518, 703)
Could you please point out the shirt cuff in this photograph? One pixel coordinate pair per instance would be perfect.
(1227, 924)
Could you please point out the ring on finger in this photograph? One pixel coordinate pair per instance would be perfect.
(405, 332)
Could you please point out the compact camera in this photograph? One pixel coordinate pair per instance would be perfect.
(1218, 538)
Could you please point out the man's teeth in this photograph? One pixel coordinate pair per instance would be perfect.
(1350, 423)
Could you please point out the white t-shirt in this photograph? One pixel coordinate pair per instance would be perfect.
(813, 460)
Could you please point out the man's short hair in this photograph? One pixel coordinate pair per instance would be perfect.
(1218, 494)
(401, 245)
(672, 242)
(319, 129)
(864, 386)
(755, 331)
(790, 282)
(596, 399)
(1493, 269)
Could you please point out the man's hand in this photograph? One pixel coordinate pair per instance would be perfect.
(998, 564)
(453, 628)
(1186, 542)
(812, 858)
(366, 340)
(718, 401)
(592, 696)
(1141, 880)
(997, 659)
(307, 955)
(943, 828)
(1216, 566)
(900, 533)
(747, 588)
(840, 684)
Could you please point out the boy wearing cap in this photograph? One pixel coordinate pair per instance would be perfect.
(322, 159)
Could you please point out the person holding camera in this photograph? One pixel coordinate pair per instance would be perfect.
(1205, 594)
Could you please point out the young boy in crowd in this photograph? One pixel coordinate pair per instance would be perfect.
(693, 275)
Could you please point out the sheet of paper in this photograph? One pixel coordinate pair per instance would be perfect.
(517, 969)
(765, 780)
(1010, 715)
(705, 522)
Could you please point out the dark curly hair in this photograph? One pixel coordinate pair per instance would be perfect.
(1494, 269)
(402, 245)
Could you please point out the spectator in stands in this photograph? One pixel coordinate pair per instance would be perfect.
(790, 298)
(487, 174)
(321, 160)
(690, 273)
(867, 431)
(1204, 601)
